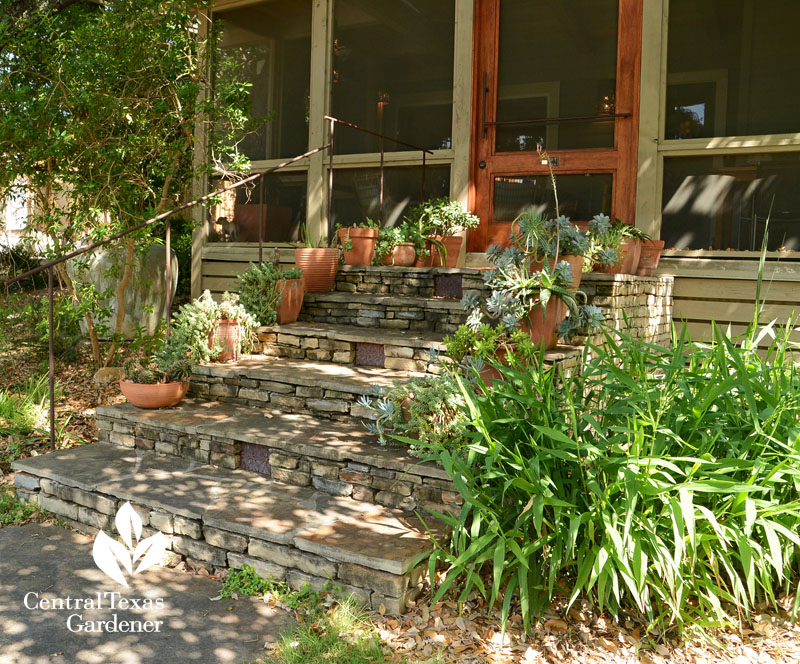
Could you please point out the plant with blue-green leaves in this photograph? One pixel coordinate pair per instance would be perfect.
(260, 289)
(540, 237)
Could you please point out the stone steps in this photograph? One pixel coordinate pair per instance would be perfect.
(322, 389)
(219, 519)
(409, 281)
(354, 345)
(384, 312)
(339, 458)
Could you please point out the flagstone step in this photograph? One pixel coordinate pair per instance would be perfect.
(339, 458)
(420, 352)
(386, 312)
(323, 389)
(221, 519)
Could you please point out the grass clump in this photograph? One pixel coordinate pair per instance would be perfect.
(13, 511)
(661, 484)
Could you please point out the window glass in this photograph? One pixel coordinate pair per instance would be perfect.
(723, 202)
(269, 45)
(356, 192)
(393, 72)
(580, 197)
(732, 68)
(557, 60)
(236, 218)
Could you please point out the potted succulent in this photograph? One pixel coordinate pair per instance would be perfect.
(649, 257)
(271, 295)
(437, 222)
(161, 380)
(615, 247)
(395, 247)
(358, 242)
(553, 240)
(319, 262)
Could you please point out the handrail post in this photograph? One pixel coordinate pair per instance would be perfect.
(380, 214)
(261, 221)
(51, 358)
(168, 246)
(332, 127)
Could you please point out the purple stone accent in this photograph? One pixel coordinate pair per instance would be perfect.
(255, 458)
(370, 355)
(445, 285)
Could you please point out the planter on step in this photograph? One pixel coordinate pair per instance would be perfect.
(228, 335)
(158, 395)
(575, 262)
(292, 293)
(452, 245)
(319, 267)
(542, 328)
(628, 262)
(403, 255)
(361, 243)
(649, 258)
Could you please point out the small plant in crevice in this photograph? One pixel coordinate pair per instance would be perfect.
(245, 581)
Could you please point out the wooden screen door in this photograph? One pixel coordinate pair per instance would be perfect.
(563, 75)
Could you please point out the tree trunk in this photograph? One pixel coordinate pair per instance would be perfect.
(61, 270)
(121, 286)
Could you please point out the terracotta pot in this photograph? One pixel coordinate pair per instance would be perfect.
(542, 329)
(160, 395)
(489, 373)
(425, 261)
(575, 262)
(228, 335)
(291, 301)
(452, 244)
(629, 250)
(582, 225)
(403, 255)
(363, 241)
(649, 258)
(319, 267)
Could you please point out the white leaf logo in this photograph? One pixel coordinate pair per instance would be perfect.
(112, 557)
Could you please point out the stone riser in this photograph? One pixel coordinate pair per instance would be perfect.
(323, 349)
(408, 282)
(413, 489)
(414, 319)
(218, 551)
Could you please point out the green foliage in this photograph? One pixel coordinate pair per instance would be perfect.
(24, 408)
(14, 512)
(18, 259)
(539, 237)
(606, 238)
(245, 581)
(660, 483)
(182, 245)
(426, 412)
(441, 216)
(260, 288)
(66, 324)
(388, 239)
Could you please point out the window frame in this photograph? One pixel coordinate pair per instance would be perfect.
(654, 149)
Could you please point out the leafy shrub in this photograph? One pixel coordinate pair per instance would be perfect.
(260, 289)
(181, 230)
(442, 217)
(20, 258)
(663, 484)
(66, 324)
(388, 239)
(425, 413)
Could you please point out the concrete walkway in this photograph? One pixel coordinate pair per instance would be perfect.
(40, 564)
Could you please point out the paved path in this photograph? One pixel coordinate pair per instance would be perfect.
(54, 563)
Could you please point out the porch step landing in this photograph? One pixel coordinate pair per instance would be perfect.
(219, 519)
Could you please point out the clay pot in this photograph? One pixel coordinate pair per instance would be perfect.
(628, 262)
(319, 267)
(452, 243)
(228, 335)
(489, 373)
(575, 262)
(363, 241)
(425, 261)
(160, 395)
(403, 255)
(649, 258)
(291, 301)
(542, 329)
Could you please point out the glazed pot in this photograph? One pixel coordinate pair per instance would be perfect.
(160, 395)
(542, 329)
(452, 244)
(403, 255)
(228, 335)
(628, 261)
(292, 294)
(650, 257)
(363, 241)
(575, 262)
(319, 267)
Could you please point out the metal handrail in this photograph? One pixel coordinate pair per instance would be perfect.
(165, 217)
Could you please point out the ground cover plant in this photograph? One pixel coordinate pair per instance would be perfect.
(661, 484)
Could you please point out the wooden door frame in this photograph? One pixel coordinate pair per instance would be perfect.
(621, 160)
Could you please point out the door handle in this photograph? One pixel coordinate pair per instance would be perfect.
(482, 164)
